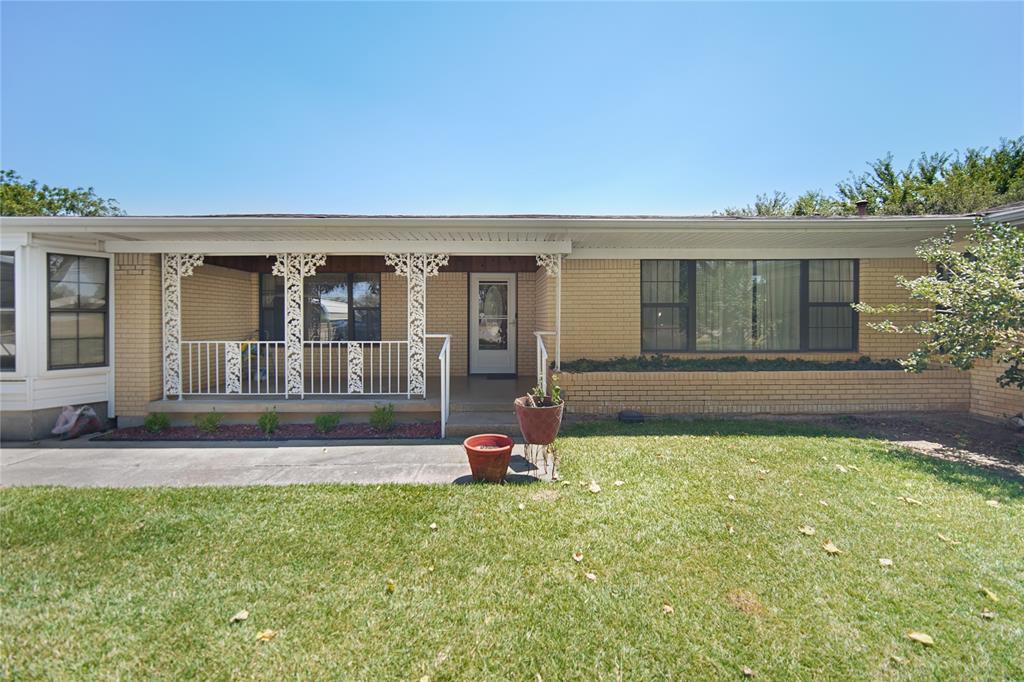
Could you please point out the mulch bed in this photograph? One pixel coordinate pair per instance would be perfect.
(283, 432)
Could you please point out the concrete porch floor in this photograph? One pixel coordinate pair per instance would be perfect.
(128, 465)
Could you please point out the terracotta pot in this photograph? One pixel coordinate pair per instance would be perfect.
(489, 455)
(539, 424)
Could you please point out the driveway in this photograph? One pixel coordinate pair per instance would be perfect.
(124, 465)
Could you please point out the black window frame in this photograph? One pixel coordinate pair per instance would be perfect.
(684, 309)
(12, 309)
(105, 310)
(351, 307)
(805, 306)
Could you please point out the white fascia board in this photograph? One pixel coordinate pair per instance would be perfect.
(743, 254)
(347, 248)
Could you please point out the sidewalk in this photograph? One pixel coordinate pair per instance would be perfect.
(123, 465)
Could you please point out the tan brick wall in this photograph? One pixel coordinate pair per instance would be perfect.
(878, 287)
(138, 329)
(988, 399)
(600, 308)
(765, 392)
(448, 313)
(526, 303)
(220, 304)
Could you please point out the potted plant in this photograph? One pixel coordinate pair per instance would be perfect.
(489, 455)
(540, 414)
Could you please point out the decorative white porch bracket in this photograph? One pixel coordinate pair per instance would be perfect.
(174, 267)
(552, 263)
(416, 267)
(295, 267)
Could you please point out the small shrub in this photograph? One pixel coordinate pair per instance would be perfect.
(325, 423)
(157, 422)
(383, 417)
(269, 422)
(208, 423)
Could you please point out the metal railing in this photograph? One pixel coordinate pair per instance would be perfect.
(445, 356)
(232, 367)
(356, 367)
(542, 361)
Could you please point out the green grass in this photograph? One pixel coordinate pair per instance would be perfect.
(141, 583)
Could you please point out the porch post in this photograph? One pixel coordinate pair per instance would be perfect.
(416, 267)
(174, 267)
(552, 264)
(295, 267)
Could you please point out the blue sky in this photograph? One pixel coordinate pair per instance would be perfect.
(493, 108)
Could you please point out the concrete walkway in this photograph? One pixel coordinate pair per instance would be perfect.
(120, 465)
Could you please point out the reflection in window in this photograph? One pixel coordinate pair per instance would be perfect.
(338, 306)
(77, 294)
(492, 327)
(7, 336)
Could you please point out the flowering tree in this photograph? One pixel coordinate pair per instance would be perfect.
(977, 296)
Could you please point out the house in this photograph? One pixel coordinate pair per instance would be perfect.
(446, 314)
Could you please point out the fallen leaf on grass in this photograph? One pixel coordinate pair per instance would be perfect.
(823, 503)
(619, 484)
(266, 635)
(909, 500)
(732, 498)
(594, 487)
(433, 526)
(240, 616)
(747, 672)
(885, 563)
(731, 528)
(592, 577)
(831, 548)
(566, 483)
(950, 541)
(921, 637)
(389, 586)
(990, 594)
(853, 467)
(577, 556)
(667, 609)
(841, 468)
(988, 615)
(425, 678)
(521, 506)
(807, 530)
(992, 503)
(752, 460)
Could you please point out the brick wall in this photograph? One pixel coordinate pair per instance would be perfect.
(220, 304)
(526, 344)
(600, 308)
(766, 392)
(138, 329)
(988, 399)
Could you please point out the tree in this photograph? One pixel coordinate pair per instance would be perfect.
(974, 302)
(940, 183)
(764, 205)
(20, 198)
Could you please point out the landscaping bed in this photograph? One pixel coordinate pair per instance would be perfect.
(737, 363)
(283, 432)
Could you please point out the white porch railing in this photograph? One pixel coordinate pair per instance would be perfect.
(542, 361)
(356, 367)
(232, 368)
(445, 356)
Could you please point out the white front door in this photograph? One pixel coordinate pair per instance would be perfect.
(492, 323)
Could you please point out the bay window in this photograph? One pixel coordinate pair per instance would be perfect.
(77, 311)
(747, 305)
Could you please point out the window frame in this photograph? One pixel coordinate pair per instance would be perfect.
(13, 309)
(105, 310)
(805, 306)
(351, 307)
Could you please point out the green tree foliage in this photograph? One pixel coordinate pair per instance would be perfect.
(941, 183)
(21, 198)
(974, 302)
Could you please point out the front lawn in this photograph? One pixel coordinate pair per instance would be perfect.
(696, 569)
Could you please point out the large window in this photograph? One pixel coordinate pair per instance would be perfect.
(7, 337)
(748, 305)
(77, 293)
(338, 307)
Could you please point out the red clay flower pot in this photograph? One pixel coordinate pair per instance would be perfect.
(539, 424)
(489, 455)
